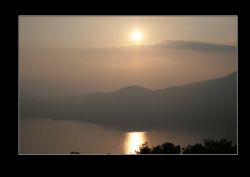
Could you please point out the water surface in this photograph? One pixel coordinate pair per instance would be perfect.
(48, 136)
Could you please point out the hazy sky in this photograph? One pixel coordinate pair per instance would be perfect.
(67, 55)
(80, 31)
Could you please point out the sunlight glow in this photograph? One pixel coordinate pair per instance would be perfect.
(133, 141)
(136, 35)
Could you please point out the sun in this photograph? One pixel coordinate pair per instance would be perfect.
(136, 36)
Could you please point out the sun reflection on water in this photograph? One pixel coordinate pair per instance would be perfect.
(133, 141)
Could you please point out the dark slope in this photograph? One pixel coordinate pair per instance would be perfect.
(207, 106)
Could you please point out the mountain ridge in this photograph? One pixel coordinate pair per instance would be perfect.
(138, 87)
(206, 106)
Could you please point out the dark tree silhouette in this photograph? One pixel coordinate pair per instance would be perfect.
(74, 152)
(144, 149)
(165, 148)
(209, 146)
(194, 149)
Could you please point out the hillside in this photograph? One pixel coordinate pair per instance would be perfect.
(207, 106)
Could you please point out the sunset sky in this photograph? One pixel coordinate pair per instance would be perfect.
(81, 31)
(72, 55)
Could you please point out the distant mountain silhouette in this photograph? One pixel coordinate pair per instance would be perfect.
(132, 89)
(207, 106)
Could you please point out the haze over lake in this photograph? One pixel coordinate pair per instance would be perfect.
(106, 84)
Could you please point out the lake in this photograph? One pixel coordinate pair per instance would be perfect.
(48, 136)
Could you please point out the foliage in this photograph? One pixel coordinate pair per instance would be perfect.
(74, 152)
(209, 146)
(165, 148)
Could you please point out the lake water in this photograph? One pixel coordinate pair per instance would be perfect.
(48, 136)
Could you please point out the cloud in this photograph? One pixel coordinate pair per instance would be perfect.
(173, 44)
(194, 45)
